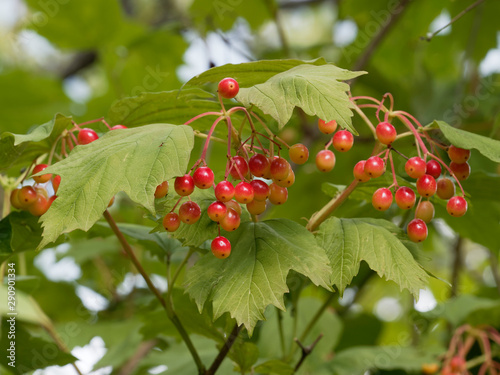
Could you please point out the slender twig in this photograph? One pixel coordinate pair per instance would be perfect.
(318, 217)
(142, 351)
(313, 322)
(306, 350)
(454, 19)
(279, 315)
(274, 10)
(224, 350)
(366, 120)
(178, 271)
(165, 303)
(377, 39)
(457, 265)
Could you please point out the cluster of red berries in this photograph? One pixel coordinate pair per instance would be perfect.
(341, 141)
(35, 198)
(251, 190)
(251, 168)
(426, 175)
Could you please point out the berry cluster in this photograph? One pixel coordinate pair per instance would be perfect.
(35, 198)
(426, 174)
(258, 176)
(341, 141)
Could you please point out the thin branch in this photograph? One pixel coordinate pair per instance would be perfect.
(165, 303)
(377, 39)
(142, 351)
(313, 322)
(454, 19)
(274, 10)
(224, 350)
(457, 265)
(306, 350)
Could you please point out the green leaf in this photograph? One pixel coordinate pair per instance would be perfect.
(254, 276)
(357, 360)
(464, 139)
(317, 90)
(133, 160)
(16, 149)
(274, 367)
(457, 310)
(25, 306)
(250, 73)
(170, 107)
(349, 241)
(245, 354)
(31, 352)
(19, 231)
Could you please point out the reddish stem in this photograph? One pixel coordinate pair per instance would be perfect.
(203, 115)
(211, 131)
(394, 180)
(415, 133)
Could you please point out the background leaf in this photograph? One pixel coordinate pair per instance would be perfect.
(133, 160)
(254, 276)
(349, 241)
(317, 90)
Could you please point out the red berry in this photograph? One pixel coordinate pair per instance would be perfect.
(445, 188)
(203, 178)
(405, 198)
(417, 230)
(39, 206)
(228, 88)
(260, 190)
(277, 194)
(288, 181)
(26, 196)
(41, 190)
(259, 165)
(221, 247)
(239, 167)
(14, 199)
(243, 192)
(52, 199)
(386, 133)
(189, 212)
(343, 141)
(425, 211)
(456, 206)
(231, 221)
(298, 153)
(415, 167)
(433, 168)
(325, 160)
(224, 191)
(116, 127)
(359, 171)
(426, 186)
(234, 205)
(458, 155)
(280, 169)
(382, 199)
(184, 185)
(216, 211)
(374, 167)
(256, 207)
(458, 364)
(86, 136)
(56, 181)
(461, 171)
(171, 222)
(327, 127)
(161, 190)
(44, 177)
